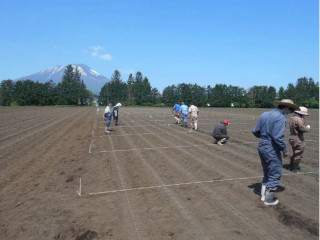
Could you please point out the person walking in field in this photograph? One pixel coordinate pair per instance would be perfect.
(107, 117)
(184, 114)
(176, 112)
(270, 129)
(193, 114)
(220, 133)
(296, 139)
(115, 113)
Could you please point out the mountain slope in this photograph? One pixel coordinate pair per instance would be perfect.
(93, 80)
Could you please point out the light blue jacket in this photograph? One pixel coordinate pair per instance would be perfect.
(184, 110)
(271, 128)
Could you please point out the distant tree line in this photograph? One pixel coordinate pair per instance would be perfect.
(70, 91)
(137, 90)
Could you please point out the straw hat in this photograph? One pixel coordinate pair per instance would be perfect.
(286, 102)
(303, 111)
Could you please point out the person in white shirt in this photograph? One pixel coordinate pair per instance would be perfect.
(107, 117)
(193, 114)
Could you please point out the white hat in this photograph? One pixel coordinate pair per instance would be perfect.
(118, 105)
(303, 111)
(286, 102)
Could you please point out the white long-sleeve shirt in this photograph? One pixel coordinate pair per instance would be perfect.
(107, 110)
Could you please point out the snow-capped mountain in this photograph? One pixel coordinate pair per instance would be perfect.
(93, 80)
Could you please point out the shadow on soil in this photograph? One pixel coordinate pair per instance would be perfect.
(290, 217)
(294, 219)
(87, 235)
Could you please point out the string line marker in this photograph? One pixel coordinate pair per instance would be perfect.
(189, 183)
(79, 191)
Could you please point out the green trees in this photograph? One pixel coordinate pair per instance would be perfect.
(7, 91)
(71, 91)
(170, 95)
(155, 96)
(262, 96)
(25, 93)
(280, 94)
(138, 91)
(130, 95)
(222, 95)
(305, 92)
(113, 91)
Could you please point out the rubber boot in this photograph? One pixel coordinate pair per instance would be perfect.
(263, 192)
(291, 164)
(270, 199)
(223, 140)
(295, 167)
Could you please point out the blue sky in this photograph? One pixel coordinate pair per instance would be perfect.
(237, 42)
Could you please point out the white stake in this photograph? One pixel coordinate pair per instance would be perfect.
(79, 192)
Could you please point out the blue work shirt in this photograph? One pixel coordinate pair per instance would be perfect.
(271, 127)
(184, 110)
(176, 107)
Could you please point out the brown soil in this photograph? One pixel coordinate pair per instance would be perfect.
(147, 179)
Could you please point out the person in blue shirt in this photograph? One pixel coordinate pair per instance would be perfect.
(176, 113)
(270, 129)
(184, 111)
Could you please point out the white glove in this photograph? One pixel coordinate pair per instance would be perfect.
(308, 126)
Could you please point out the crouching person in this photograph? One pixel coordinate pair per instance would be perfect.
(107, 118)
(220, 132)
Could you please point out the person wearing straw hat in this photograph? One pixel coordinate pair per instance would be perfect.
(220, 132)
(271, 129)
(296, 139)
(115, 113)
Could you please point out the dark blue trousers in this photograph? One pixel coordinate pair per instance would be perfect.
(271, 162)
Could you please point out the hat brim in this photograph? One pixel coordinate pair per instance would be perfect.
(290, 105)
(302, 113)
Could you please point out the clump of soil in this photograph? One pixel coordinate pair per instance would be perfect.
(87, 235)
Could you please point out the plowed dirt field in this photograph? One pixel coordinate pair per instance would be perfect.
(62, 177)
